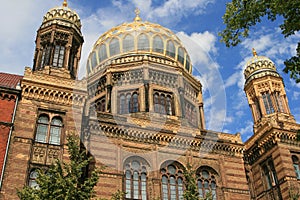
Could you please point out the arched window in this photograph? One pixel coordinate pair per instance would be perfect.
(100, 104)
(296, 165)
(180, 56)
(32, 179)
(135, 103)
(207, 184)
(135, 171)
(188, 64)
(172, 181)
(55, 131)
(170, 49)
(128, 43)
(158, 44)
(94, 60)
(102, 54)
(143, 42)
(190, 113)
(268, 103)
(257, 109)
(48, 132)
(163, 103)
(122, 104)
(278, 101)
(42, 129)
(129, 102)
(114, 47)
(58, 57)
(45, 56)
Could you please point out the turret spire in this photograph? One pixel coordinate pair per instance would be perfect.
(254, 52)
(137, 15)
(65, 3)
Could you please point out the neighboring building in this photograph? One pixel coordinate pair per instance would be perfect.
(139, 112)
(10, 91)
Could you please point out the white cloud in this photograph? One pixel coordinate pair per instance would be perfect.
(248, 130)
(19, 22)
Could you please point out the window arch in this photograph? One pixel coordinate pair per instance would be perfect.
(114, 47)
(158, 44)
(128, 43)
(172, 181)
(207, 183)
(296, 165)
(32, 179)
(163, 103)
(135, 178)
(143, 42)
(49, 131)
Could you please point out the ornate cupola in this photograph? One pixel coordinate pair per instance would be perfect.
(58, 43)
(265, 91)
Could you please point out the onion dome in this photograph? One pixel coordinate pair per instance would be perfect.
(62, 15)
(137, 38)
(259, 66)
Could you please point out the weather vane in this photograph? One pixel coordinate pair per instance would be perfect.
(137, 15)
(65, 3)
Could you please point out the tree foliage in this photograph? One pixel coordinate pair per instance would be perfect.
(240, 15)
(64, 180)
(191, 188)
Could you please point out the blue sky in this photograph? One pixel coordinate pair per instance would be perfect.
(196, 22)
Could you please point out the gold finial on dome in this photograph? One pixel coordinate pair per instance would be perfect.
(137, 15)
(65, 3)
(254, 52)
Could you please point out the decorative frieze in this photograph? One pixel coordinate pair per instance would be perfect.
(163, 78)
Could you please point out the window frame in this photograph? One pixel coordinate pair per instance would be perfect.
(168, 187)
(206, 182)
(129, 101)
(136, 178)
(50, 126)
(163, 103)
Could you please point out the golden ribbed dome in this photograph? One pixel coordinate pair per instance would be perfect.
(259, 66)
(62, 15)
(138, 38)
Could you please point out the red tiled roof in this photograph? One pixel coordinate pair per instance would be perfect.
(9, 80)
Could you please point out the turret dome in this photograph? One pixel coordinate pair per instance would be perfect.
(259, 66)
(137, 38)
(62, 15)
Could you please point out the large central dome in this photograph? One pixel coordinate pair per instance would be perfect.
(138, 37)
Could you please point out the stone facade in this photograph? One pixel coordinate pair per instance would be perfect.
(139, 112)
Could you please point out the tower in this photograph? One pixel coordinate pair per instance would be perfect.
(58, 43)
(266, 94)
(272, 153)
(51, 101)
(145, 119)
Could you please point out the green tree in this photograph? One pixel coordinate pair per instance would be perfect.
(240, 15)
(191, 188)
(64, 180)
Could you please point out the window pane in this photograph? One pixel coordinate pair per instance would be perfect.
(102, 53)
(54, 135)
(180, 56)
(128, 43)
(170, 49)
(114, 47)
(143, 42)
(158, 45)
(41, 133)
(32, 179)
